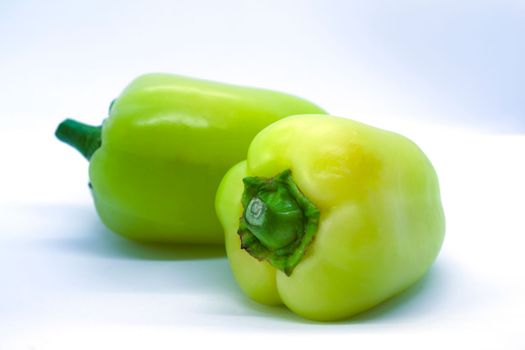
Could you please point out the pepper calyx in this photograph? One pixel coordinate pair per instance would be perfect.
(279, 222)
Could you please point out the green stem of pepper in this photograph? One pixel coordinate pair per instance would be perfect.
(85, 138)
(279, 222)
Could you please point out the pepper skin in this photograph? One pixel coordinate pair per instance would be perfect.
(157, 160)
(371, 225)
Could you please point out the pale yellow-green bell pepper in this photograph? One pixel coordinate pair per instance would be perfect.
(330, 216)
(157, 160)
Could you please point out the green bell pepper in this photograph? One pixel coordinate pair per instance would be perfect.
(157, 160)
(335, 216)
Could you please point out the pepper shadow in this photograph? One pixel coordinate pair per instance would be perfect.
(417, 301)
(88, 236)
(421, 300)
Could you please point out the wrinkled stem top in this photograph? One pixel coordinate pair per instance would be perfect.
(278, 222)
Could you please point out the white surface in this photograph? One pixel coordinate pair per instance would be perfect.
(448, 74)
(69, 283)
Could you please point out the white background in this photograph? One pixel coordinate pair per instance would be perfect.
(448, 74)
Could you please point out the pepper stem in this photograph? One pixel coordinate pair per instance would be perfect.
(83, 137)
(279, 222)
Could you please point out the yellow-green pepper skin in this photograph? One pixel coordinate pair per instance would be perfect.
(380, 222)
(157, 160)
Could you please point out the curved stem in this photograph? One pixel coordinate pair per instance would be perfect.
(85, 138)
